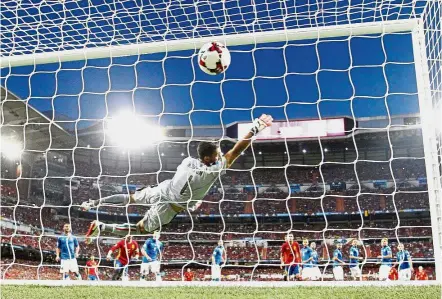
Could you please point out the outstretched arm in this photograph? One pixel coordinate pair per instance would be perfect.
(258, 125)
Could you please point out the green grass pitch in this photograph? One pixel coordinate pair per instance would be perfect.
(92, 292)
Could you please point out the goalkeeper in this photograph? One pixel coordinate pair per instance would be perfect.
(185, 191)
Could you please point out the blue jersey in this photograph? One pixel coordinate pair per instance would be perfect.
(338, 254)
(153, 249)
(306, 253)
(67, 245)
(354, 251)
(386, 251)
(315, 257)
(218, 255)
(402, 258)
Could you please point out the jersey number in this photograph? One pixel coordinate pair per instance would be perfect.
(186, 185)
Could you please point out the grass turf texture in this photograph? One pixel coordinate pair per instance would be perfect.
(92, 292)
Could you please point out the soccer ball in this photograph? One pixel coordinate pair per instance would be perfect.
(214, 58)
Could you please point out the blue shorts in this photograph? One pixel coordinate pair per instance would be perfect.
(92, 277)
(118, 265)
(292, 270)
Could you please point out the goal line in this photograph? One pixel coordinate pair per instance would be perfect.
(226, 284)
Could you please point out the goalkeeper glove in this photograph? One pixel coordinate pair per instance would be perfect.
(261, 123)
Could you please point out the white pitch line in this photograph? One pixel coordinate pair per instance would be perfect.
(253, 284)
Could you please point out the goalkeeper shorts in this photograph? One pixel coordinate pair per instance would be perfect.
(160, 212)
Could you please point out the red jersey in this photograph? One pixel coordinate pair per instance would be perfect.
(421, 275)
(393, 275)
(188, 276)
(91, 267)
(126, 251)
(291, 253)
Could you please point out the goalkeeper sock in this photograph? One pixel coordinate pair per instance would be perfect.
(121, 229)
(114, 199)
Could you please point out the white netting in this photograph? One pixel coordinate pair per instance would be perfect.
(366, 185)
(41, 26)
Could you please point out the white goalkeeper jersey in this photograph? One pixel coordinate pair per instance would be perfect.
(191, 182)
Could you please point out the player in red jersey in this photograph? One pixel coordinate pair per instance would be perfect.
(91, 269)
(421, 274)
(188, 276)
(393, 274)
(127, 249)
(291, 258)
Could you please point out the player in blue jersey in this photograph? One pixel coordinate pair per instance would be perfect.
(403, 259)
(307, 260)
(355, 271)
(151, 252)
(385, 257)
(338, 261)
(315, 272)
(218, 258)
(67, 252)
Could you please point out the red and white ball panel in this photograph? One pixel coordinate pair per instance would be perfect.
(214, 58)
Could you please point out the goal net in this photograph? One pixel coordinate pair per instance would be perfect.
(106, 97)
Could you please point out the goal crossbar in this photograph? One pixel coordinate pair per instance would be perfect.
(195, 43)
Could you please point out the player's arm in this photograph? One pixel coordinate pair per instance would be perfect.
(144, 253)
(137, 252)
(113, 248)
(335, 258)
(77, 247)
(258, 125)
(389, 254)
(410, 261)
(57, 250)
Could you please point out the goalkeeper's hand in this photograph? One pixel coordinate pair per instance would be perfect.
(261, 123)
(87, 205)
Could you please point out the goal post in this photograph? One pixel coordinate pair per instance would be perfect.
(429, 123)
(312, 33)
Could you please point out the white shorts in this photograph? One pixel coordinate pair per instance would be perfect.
(160, 212)
(405, 274)
(152, 267)
(384, 271)
(338, 273)
(355, 272)
(311, 273)
(216, 272)
(69, 265)
(316, 273)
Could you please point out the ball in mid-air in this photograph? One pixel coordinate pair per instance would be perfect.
(214, 58)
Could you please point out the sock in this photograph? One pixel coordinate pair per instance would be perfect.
(114, 199)
(121, 229)
(65, 276)
(78, 276)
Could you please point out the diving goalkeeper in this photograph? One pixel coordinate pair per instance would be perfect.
(185, 191)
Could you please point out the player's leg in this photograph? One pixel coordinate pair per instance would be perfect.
(404, 274)
(159, 214)
(74, 269)
(316, 273)
(64, 270)
(118, 270)
(384, 270)
(144, 271)
(156, 270)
